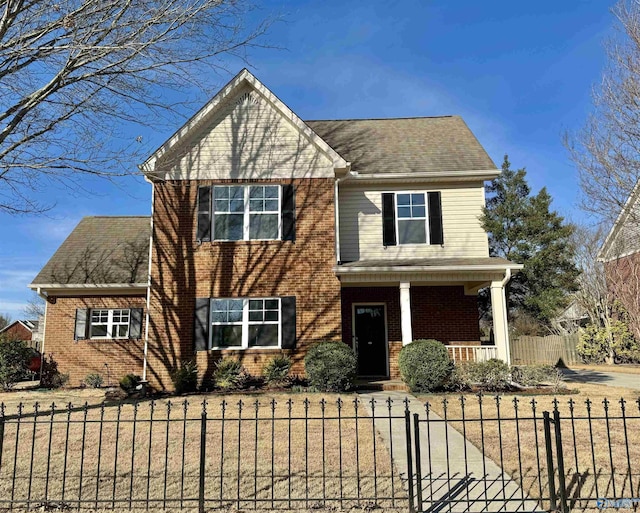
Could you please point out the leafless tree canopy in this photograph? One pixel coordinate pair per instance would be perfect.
(607, 150)
(73, 73)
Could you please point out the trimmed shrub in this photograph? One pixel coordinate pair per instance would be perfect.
(130, 382)
(185, 378)
(93, 380)
(276, 371)
(460, 379)
(51, 377)
(425, 365)
(14, 360)
(598, 344)
(493, 375)
(227, 373)
(330, 366)
(533, 375)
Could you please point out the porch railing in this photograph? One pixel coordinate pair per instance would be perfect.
(472, 353)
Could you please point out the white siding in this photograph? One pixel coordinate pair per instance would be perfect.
(248, 139)
(361, 223)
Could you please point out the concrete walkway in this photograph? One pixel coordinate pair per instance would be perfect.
(602, 377)
(447, 484)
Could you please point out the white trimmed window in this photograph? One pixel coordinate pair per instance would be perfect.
(107, 323)
(411, 218)
(246, 212)
(244, 323)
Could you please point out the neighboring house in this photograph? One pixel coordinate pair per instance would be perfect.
(29, 331)
(269, 234)
(620, 254)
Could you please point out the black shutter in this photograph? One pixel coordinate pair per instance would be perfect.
(288, 305)
(135, 323)
(82, 324)
(288, 212)
(201, 335)
(388, 219)
(204, 213)
(435, 218)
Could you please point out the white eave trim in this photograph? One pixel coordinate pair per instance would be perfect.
(425, 269)
(147, 167)
(87, 286)
(622, 216)
(472, 175)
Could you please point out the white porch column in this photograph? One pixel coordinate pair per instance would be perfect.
(405, 312)
(500, 325)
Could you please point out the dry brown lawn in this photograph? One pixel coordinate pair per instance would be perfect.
(620, 368)
(596, 460)
(283, 454)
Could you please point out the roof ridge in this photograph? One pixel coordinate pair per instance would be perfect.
(387, 119)
(116, 217)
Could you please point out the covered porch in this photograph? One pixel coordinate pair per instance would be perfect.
(386, 305)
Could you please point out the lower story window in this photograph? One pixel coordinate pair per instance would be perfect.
(109, 323)
(242, 323)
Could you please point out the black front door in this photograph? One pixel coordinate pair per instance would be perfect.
(370, 339)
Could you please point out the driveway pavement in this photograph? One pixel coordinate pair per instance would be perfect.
(615, 379)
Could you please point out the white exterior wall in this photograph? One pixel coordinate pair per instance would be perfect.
(361, 223)
(250, 140)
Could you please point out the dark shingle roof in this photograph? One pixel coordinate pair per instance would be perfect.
(405, 145)
(101, 250)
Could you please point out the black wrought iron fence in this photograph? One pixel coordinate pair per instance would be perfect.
(235, 453)
(458, 454)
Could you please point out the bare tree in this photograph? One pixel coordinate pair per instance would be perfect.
(5, 320)
(35, 307)
(76, 77)
(607, 150)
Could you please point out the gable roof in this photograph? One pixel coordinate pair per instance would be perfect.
(630, 243)
(101, 250)
(29, 325)
(427, 145)
(212, 106)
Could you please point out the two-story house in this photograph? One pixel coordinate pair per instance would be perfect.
(269, 233)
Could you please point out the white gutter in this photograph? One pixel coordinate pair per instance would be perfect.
(481, 173)
(63, 286)
(337, 211)
(427, 268)
(146, 324)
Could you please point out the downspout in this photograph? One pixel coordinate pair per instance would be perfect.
(507, 277)
(337, 182)
(147, 316)
(44, 296)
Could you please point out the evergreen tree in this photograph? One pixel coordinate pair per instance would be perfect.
(523, 228)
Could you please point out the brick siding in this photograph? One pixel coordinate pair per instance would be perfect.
(17, 332)
(81, 357)
(184, 270)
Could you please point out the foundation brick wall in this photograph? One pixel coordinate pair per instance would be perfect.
(184, 270)
(442, 313)
(81, 357)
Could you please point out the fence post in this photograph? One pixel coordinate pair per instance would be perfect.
(203, 444)
(407, 423)
(416, 434)
(564, 507)
(548, 447)
(1, 432)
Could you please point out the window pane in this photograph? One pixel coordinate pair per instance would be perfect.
(418, 211)
(404, 212)
(256, 315)
(256, 205)
(98, 330)
(271, 304)
(404, 199)
(123, 331)
(228, 226)
(417, 199)
(226, 336)
(263, 226)
(236, 205)
(412, 232)
(256, 304)
(221, 192)
(256, 192)
(271, 315)
(271, 205)
(264, 335)
(221, 206)
(237, 192)
(218, 316)
(271, 191)
(99, 316)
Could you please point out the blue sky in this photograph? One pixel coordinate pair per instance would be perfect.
(519, 73)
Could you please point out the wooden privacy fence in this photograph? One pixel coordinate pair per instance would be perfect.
(549, 350)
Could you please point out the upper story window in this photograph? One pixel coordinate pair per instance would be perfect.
(411, 217)
(246, 212)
